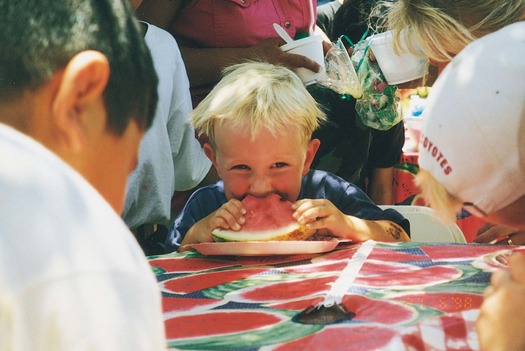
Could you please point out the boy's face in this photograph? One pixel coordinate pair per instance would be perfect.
(259, 167)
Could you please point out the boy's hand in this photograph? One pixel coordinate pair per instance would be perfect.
(228, 216)
(322, 214)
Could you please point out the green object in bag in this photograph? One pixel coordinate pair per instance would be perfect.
(379, 107)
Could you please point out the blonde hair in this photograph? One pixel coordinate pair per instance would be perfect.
(442, 28)
(253, 96)
(435, 194)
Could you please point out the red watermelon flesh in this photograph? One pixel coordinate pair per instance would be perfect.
(267, 219)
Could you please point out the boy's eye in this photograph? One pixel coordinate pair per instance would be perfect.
(240, 167)
(280, 165)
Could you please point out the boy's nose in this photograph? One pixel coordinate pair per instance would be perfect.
(260, 186)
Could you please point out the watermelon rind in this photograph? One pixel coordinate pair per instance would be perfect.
(293, 231)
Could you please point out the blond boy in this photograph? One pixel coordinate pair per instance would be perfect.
(259, 121)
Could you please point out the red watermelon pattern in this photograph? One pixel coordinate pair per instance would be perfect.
(191, 283)
(402, 292)
(183, 263)
(343, 337)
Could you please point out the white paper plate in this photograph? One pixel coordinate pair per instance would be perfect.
(265, 248)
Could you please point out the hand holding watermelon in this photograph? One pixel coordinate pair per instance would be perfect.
(322, 215)
(230, 216)
(267, 218)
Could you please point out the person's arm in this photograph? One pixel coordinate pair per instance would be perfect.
(385, 152)
(492, 233)
(382, 230)
(205, 65)
(380, 189)
(323, 215)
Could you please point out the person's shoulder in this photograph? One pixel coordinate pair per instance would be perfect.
(320, 184)
(157, 37)
(51, 180)
(167, 57)
(324, 177)
(514, 30)
(22, 152)
(209, 193)
(50, 202)
(509, 39)
(202, 202)
(155, 31)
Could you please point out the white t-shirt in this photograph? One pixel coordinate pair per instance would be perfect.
(170, 156)
(72, 276)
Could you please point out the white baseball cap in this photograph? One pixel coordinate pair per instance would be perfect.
(473, 136)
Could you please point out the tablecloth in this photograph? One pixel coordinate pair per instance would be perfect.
(405, 296)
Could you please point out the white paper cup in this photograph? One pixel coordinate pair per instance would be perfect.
(311, 47)
(396, 68)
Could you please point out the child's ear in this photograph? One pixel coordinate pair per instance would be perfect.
(208, 151)
(82, 85)
(311, 150)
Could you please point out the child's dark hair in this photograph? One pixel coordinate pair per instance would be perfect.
(354, 17)
(36, 43)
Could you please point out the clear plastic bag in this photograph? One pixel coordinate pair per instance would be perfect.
(377, 103)
(340, 74)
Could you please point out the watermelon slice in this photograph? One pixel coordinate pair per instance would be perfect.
(267, 219)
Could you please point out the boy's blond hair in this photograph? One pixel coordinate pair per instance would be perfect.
(442, 28)
(253, 96)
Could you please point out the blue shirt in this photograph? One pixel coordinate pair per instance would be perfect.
(347, 197)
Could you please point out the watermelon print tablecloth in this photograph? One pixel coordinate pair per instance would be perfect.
(405, 296)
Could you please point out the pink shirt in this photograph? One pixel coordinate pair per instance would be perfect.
(240, 23)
